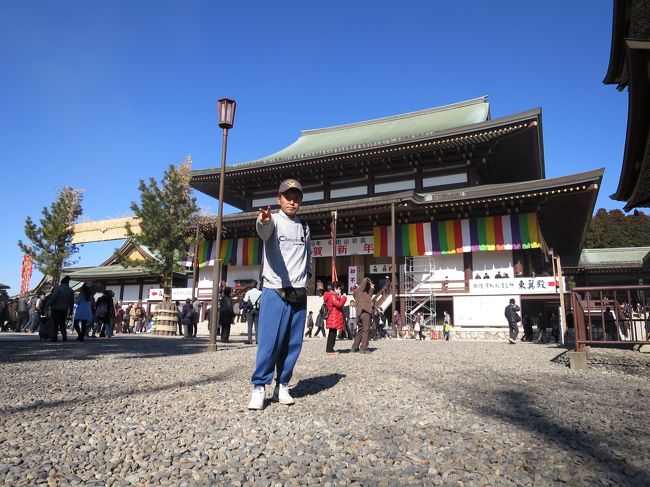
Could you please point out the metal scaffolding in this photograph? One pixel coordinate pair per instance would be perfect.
(417, 287)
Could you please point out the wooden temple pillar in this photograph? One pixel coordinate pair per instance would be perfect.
(393, 279)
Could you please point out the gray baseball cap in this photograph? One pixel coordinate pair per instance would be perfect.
(288, 184)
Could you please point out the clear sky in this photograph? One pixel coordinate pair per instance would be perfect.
(98, 95)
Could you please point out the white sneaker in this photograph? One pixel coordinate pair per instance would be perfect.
(281, 395)
(257, 398)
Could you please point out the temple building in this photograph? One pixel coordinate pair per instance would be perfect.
(448, 205)
(129, 284)
(628, 68)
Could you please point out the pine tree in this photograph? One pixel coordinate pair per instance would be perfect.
(51, 241)
(164, 213)
(609, 229)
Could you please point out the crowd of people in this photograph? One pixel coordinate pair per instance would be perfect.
(344, 319)
(21, 314)
(58, 313)
(276, 312)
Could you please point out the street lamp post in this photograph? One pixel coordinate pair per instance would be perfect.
(226, 109)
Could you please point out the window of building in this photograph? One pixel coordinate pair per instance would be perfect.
(396, 186)
(445, 180)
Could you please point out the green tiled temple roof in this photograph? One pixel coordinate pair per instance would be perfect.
(109, 271)
(615, 257)
(381, 131)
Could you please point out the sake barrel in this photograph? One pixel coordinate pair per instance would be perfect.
(165, 318)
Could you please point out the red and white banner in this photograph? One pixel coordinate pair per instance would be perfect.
(353, 277)
(26, 274)
(335, 276)
(344, 246)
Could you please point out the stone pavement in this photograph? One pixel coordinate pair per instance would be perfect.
(147, 410)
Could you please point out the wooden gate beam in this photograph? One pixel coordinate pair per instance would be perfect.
(104, 230)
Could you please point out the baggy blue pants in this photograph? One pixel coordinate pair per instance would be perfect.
(280, 329)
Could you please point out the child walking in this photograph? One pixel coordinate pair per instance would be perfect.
(447, 326)
(310, 324)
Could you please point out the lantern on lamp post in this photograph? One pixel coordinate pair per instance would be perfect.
(226, 112)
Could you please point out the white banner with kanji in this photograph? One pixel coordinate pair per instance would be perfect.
(520, 285)
(344, 246)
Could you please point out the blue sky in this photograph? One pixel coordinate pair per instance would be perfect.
(98, 95)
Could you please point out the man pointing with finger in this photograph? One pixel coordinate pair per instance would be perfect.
(286, 267)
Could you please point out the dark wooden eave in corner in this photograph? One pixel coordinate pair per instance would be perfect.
(616, 72)
(628, 67)
(634, 182)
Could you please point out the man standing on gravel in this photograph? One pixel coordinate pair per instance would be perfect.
(512, 315)
(61, 302)
(252, 298)
(363, 298)
(286, 267)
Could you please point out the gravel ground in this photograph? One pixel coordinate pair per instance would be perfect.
(143, 410)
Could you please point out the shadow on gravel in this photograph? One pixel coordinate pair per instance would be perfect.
(518, 408)
(92, 348)
(561, 358)
(109, 395)
(314, 385)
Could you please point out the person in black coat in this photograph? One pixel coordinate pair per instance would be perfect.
(528, 330)
(512, 315)
(345, 334)
(226, 314)
(187, 318)
(105, 314)
(61, 302)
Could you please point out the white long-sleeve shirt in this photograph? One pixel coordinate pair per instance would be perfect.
(287, 251)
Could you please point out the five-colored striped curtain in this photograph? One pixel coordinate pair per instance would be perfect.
(241, 251)
(506, 232)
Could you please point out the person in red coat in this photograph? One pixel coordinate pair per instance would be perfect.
(335, 320)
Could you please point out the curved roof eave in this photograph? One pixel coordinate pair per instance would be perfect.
(632, 184)
(620, 28)
(446, 196)
(534, 113)
(128, 245)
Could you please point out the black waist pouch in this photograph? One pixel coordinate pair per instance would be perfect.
(293, 295)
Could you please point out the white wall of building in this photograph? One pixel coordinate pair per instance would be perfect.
(146, 288)
(205, 278)
(481, 311)
(492, 262)
(131, 292)
(116, 292)
(444, 266)
(235, 273)
(431, 271)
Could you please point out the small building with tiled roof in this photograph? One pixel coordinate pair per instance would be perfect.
(622, 266)
(129, 284)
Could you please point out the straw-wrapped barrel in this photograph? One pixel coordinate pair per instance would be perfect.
(165, 318)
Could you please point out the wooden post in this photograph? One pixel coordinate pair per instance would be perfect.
(562, 306)
(195, 265)
(393, 280)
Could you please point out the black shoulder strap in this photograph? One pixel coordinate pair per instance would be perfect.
(304, 228)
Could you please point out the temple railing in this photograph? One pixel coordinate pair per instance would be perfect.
(611, 315)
